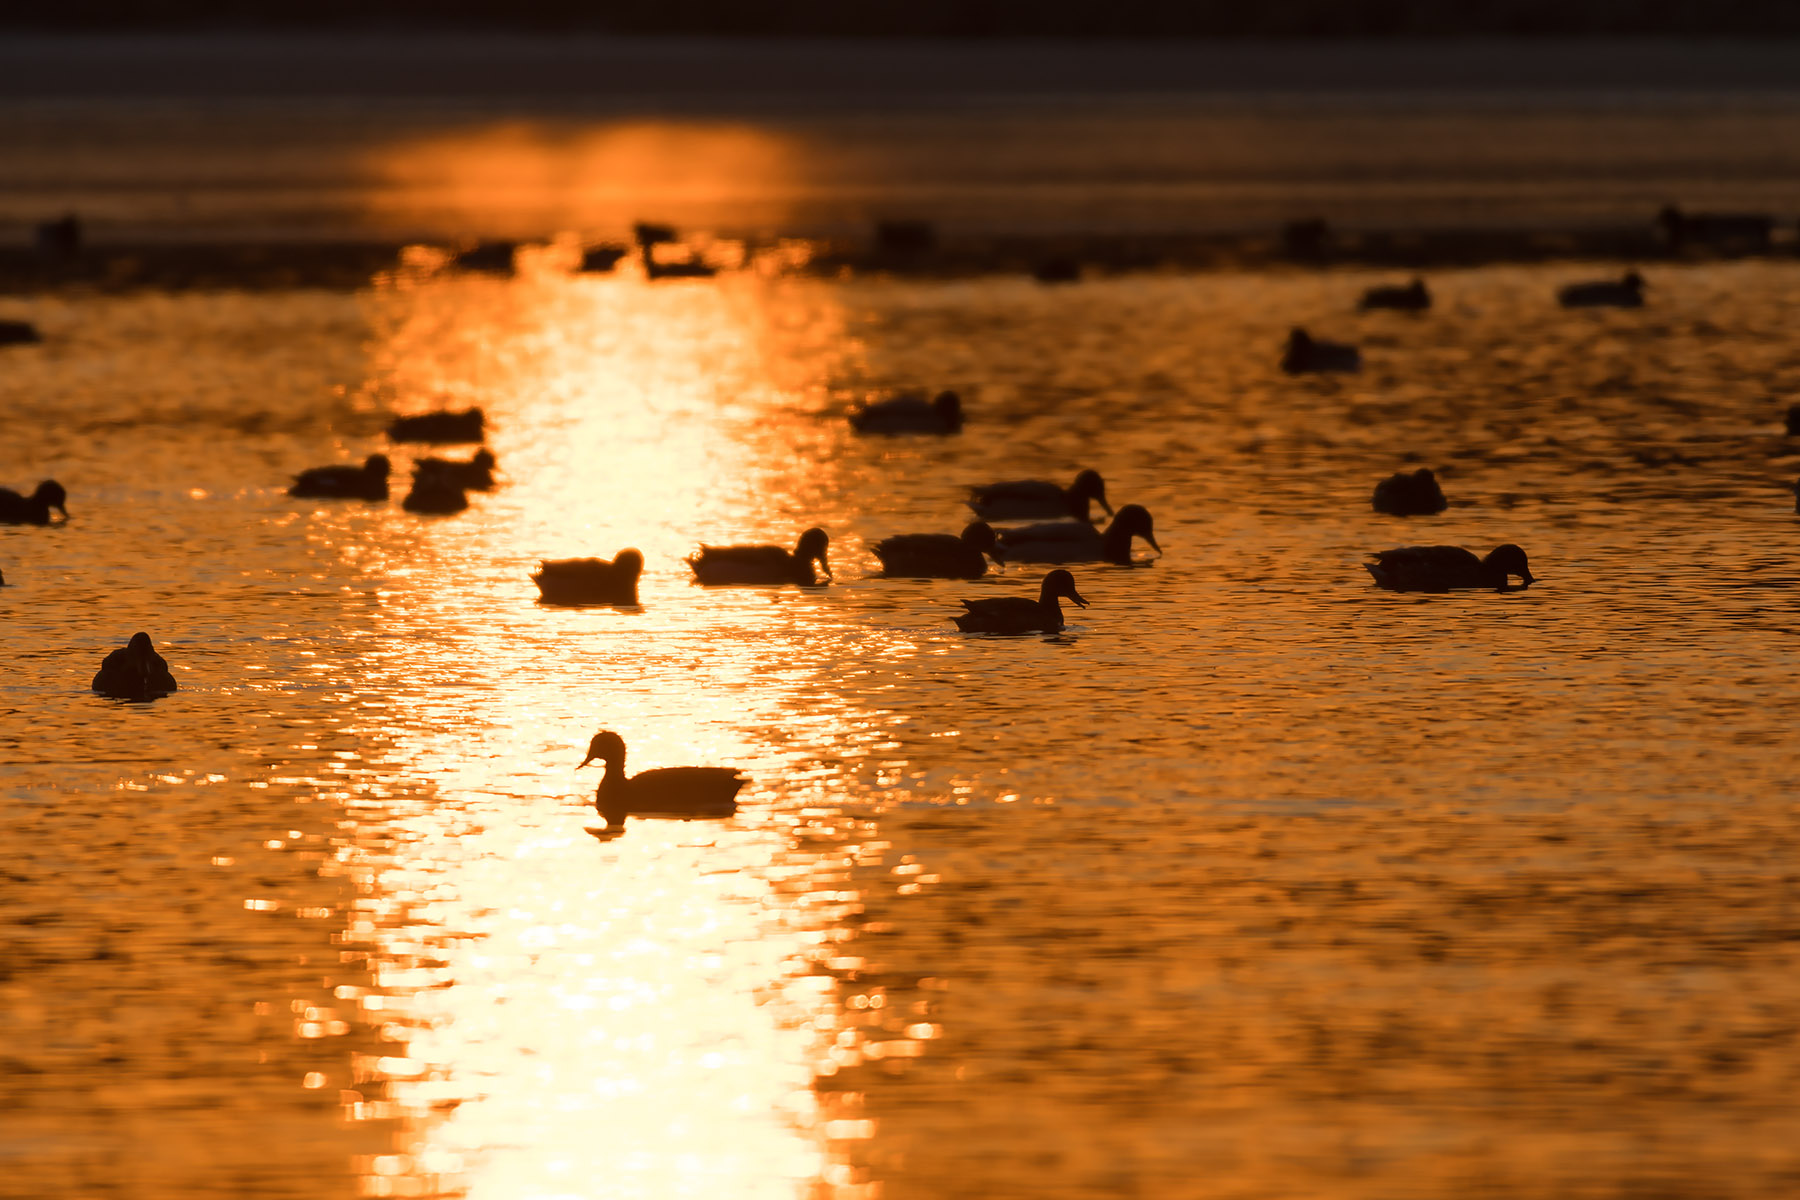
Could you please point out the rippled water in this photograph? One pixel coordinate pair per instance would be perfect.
(1257, 882)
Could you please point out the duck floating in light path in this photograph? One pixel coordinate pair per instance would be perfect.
(1625, 292)
(434, 494)
(445, 427)
(1022, 499)
(1306, 354)
(476, 475)
(1015, 614)
(342, 481)
(136, 672)
(35, 508)
(1414, 297)
(1078, 541)
(763, 564)
(1409, 494)
(680, 793)
(1446, 568)
(590, 580)
(939, 555)
(911, 412)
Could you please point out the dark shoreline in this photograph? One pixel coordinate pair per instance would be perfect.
(348, 265)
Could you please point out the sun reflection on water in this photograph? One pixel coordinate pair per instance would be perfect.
(646, 1015)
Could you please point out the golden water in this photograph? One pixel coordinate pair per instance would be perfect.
(1258, 882)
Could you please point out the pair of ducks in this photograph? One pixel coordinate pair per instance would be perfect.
(438, 483)
(597, 581)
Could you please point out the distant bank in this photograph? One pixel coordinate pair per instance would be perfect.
(677, 72)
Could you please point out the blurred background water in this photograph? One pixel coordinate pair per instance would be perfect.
(1256, 882)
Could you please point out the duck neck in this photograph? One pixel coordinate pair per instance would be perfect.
(609, 797)
(1115, 543)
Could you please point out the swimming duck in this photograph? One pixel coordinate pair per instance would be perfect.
(19, 333)
(1625, 292)
(1441, 568)
(445, 426)
(476, 475)
(1410, 495)
(1077, 541)
(590, 580)
(487, 256)
(341, 481)
(763, 564)
(939, 555)
(434, 493)
(1015, 614)
(1412, 298)
(1024, 498)
(35, 508)
(910, 412)
(680, 792)
(136, 672)
(1306, 354)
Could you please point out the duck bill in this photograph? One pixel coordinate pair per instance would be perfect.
(825, 567)
(1153, 544)
(1076, 597)
(1527, 579)
(584, 762)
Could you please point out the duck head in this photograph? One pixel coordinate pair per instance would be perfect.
(1632, 280)
(1134, 521)
(811, 548)
(378, 465)
(1299, 341)
(140, 646)
(1088, 486)
(629, 562)
(980, 535)
(483, 458)
(1059, 583)
(51, 495)
(608, 747)
(1510, 561)
(948, 406)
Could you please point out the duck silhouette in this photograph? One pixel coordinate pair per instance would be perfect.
(35, 508)
(443, 427)
(1445, 568)
(1306, 354)
(590, 580)
(1625, 292)
(135, 672)
(341, 481)
(476, 475)
(19, 333)
(1414, 297)
(910, 412)
(1022, 499)
(434, 494)
(1414, 494)
(763, 564)
(1016, 614)
(939, 555)
(682, 793)
(1078, 541)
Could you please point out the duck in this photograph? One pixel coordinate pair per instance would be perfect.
(763, 564)
(35, 508)
(434, 493)
(136, 672)
(1625, 292)
(476, 475)
(1026, 498)
(684, 793)
(487, 256)
(1077, 541)
(1414, 494)
(19, 333)
(910, 412)
(1443, 568)
(1015, 614)
(341, 481)
(1414, 297)
(590, 580)
(1307, 354)
(939, 555)
(444, 426)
